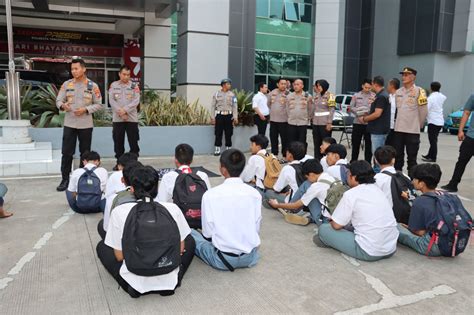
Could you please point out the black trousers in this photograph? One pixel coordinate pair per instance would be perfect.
(389, 139)
(261, 124)
(279, 129)
(100, 229)
(297, 133)
(319, 133)
(224, 125)
(359, 131)
(107, 258)
(118, 134)
(70, 137)
(433, 133)
(410, 142)
(466, 151)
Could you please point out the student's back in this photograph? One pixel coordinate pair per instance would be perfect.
(335, 170)
(114, 184)
(287, 177)
(166, 187)
(77, 173)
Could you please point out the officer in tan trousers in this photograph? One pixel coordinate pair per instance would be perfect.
(323, 112)
(224, 106)
(299, 109)
(410, 117)
(277, 102)
(78, 98)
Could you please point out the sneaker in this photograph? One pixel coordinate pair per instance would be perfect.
(318, 242)
(424, 159)
(63, 185)
(425, 156)
(294, 218)
(228, 148)
(449, 188)
(217, 151)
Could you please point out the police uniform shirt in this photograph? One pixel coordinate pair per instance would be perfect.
(323, 108)
(360, 104)
(225, 103)
(299, 109)
(126, 96)
(411, 109)
(277, 102)
(79, 94)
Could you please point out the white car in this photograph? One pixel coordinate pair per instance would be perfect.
(343, 102)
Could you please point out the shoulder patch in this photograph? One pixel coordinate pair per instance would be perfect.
(332, 100)
(422, 99)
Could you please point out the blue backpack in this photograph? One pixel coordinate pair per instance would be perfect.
(453, 225)
(344, 173)
(89, 193)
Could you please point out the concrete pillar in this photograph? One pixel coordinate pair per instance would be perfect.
(203, 48)
(329, 42)
(157, 53)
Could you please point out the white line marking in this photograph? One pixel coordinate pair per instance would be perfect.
(25, 200)
(60, 221)
(352, 260)
(19, 265)
(43, 240)
(4, 282)
(31, 177)
(464, 198)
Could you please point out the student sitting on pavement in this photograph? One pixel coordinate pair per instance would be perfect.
(121, 197)
(322, 149)
(366, 207)
(231, 216)
(115, 183)
(336, 159)
(254, 171)
(291, 175)
(306, 155)
(312, 194)
(3, 213)
(85, 193)
(144, 181)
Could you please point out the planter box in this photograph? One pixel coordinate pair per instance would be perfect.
(154, 141)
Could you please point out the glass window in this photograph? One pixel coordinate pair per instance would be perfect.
(305, 13)
(276, 9)
(261, 62)
(348, 100)
(303, 65)
(289, 64)
(272, 82)
(262, 8)
(274, 63)
(291, 11)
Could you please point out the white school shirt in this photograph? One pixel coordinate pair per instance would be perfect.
(335, 170)
(384, 182)
(99, 171)
(287, 177)
(109, 200)
(367, 208)
(113, 239)
(166, 186)
(255, 169)
(114, 184)
(435, 108)
(324, 163)
(318, 190)
(231, 216)
(306, 158)
(260, 101)
(393, 109)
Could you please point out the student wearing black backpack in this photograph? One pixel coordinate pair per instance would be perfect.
(438, 225)
(148, 246)
(85, 193)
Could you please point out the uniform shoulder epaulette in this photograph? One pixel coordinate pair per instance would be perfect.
(422, 99)
(332, 100)
(90, 85)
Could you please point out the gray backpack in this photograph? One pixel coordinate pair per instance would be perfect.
(334, 195)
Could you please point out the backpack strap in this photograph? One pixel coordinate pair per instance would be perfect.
(90, 171)
(388, 173)
(326, 181)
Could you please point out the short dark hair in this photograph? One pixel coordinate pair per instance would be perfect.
(126, 158)
(281, 78)
(366, 80)
(435, 86)
(128, 170)
(395, 82)
(233, 161)
(260, 140)
(90, 156)
(378, 80)
(260, 85)
(330, 140)
(338, 149)
(79, 61)
(363, 172)
(428, 173)
(297, 149)
(144, 181)
(312, 166)
(385, 154)
(184, 153)
(124, 67)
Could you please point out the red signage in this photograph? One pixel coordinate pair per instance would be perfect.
(53, 49)
(132, 58)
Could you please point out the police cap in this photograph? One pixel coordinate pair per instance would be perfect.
(227, 80)
(408, 70)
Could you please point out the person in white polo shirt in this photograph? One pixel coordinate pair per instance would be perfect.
(260, 106)
(231, 217)
(336, 159)
(254, 171)
(365, 206)
(435, 120)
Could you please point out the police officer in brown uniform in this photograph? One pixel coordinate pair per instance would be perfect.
(79, 98)
(277, 102)
(360, 106)
(410, 117)
(323, 112)
(224, 105)
(299, 109)
(124, 97)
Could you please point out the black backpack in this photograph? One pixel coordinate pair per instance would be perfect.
(151, 242)
(300, 178)
(453, 225)
(401, 206)
(89, 193)
(187, 195)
